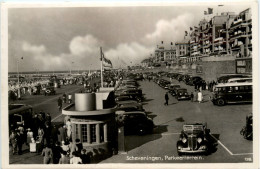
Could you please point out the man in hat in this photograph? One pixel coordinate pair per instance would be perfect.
(166, 98)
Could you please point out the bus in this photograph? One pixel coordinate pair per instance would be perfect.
(20, 114)
(225, 78)
(237, 80)
(232, 93)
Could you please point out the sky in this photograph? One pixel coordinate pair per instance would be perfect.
(52, 39)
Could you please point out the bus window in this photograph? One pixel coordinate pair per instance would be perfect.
(236, 88)
(241, 88)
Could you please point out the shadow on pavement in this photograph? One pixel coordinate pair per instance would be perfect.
(149, 114)
(213, 143)
(135, 141)
(147, 100)
(180, 119)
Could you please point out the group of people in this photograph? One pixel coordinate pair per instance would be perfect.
(66, 152)
(53, 143)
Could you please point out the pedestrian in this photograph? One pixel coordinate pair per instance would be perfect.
(59, 103)
(69, 128)
(56, 150)
(65, 147)
(61, 133)
(19, 143)
(200, 96)
(191, 96)
(84, 157)
(195, 95)
(64, 97)
(29, 136)
(54, 134)
(40, 135)
(75, 159)
(79, 146)
(13, 141)
(166, 98)
(47, 154)
(47, 134)
(64, 158)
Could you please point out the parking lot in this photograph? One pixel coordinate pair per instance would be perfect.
(224, 123)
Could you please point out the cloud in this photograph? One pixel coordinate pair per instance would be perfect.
(84, 52)
(170, 30)
(84, 45)
(27, 47)
(128, 53)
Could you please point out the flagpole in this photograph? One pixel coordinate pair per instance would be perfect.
(101, 66)
(17, 64)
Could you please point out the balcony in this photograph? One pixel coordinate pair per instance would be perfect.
(240, 24)
(239, 35)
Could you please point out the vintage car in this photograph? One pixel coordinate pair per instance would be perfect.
(49, 91)
(247, 130)
(126, 98)
(135, 122)
(194, 139)
(173, 86)
(139, 106)
(129, 92)
(182, 94)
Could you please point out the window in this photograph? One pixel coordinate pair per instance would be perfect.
(84, 132)
(77, 131)
(93, 132)
(242, 88)
(101, 131)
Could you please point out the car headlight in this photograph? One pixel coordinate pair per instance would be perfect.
(199, 140)
(203, 147)
(184, 140)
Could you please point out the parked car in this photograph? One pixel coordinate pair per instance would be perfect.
(49, 91)
(127, 98)
(130, 92)
(194, 138)
(173, 86)
(247, 130)
(182, 94)
(139, 106)
(135, 122)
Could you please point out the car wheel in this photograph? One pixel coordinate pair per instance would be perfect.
(221, 102)
(179, 153)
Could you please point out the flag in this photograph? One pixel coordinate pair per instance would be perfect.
(106, 60)
(210, 11)
(162, 42)
(186, 33)
(205, 13)
(171, 43)
(191, 28)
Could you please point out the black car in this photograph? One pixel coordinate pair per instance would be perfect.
(182, 94)
(194, 138)
(135, 122)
